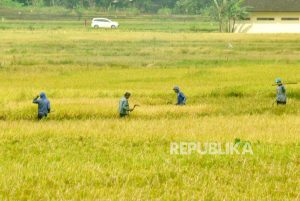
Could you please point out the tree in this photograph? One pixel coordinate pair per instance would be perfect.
(236, 11)
(219, 12)
(227, 12)
(10, 3)
(37, 3)
(192, 6)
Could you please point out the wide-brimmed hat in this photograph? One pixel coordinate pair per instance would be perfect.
(278, 81)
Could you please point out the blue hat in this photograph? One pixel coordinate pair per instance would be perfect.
(42, 95)
(278, 81)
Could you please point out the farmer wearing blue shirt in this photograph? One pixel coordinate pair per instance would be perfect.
(43, 105)
(181, 99)
(281, 92)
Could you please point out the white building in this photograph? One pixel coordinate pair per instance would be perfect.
(271, 16)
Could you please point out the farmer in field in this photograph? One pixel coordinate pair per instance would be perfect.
(181, 99)
(281, 92)
(124, 109)
(43, 105)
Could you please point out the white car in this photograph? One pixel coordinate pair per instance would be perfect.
(104, 23)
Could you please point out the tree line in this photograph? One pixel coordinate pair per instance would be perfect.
(148, 6)
(225, 12)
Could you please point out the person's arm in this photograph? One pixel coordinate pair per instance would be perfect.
(178, 99)
(283, 89)
(48, 107)
(130, 110)
(184, 99)
(35, 100)
(127, 107)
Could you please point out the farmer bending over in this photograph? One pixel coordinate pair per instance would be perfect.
(281, 92)
(181, 99)
(43, 105)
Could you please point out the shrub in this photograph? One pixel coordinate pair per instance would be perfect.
(164, 11)
(10, 3)
(132, 11)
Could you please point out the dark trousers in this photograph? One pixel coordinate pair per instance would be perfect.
(123, 115)
(281, 103)
(41, 116)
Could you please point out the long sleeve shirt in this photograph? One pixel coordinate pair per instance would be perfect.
(281, 93)
(123, 106)
(181, 99)
(43, 105)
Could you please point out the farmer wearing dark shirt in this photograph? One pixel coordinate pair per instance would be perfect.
(181, 99)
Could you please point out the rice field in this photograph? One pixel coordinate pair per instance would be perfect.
(84, 151)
